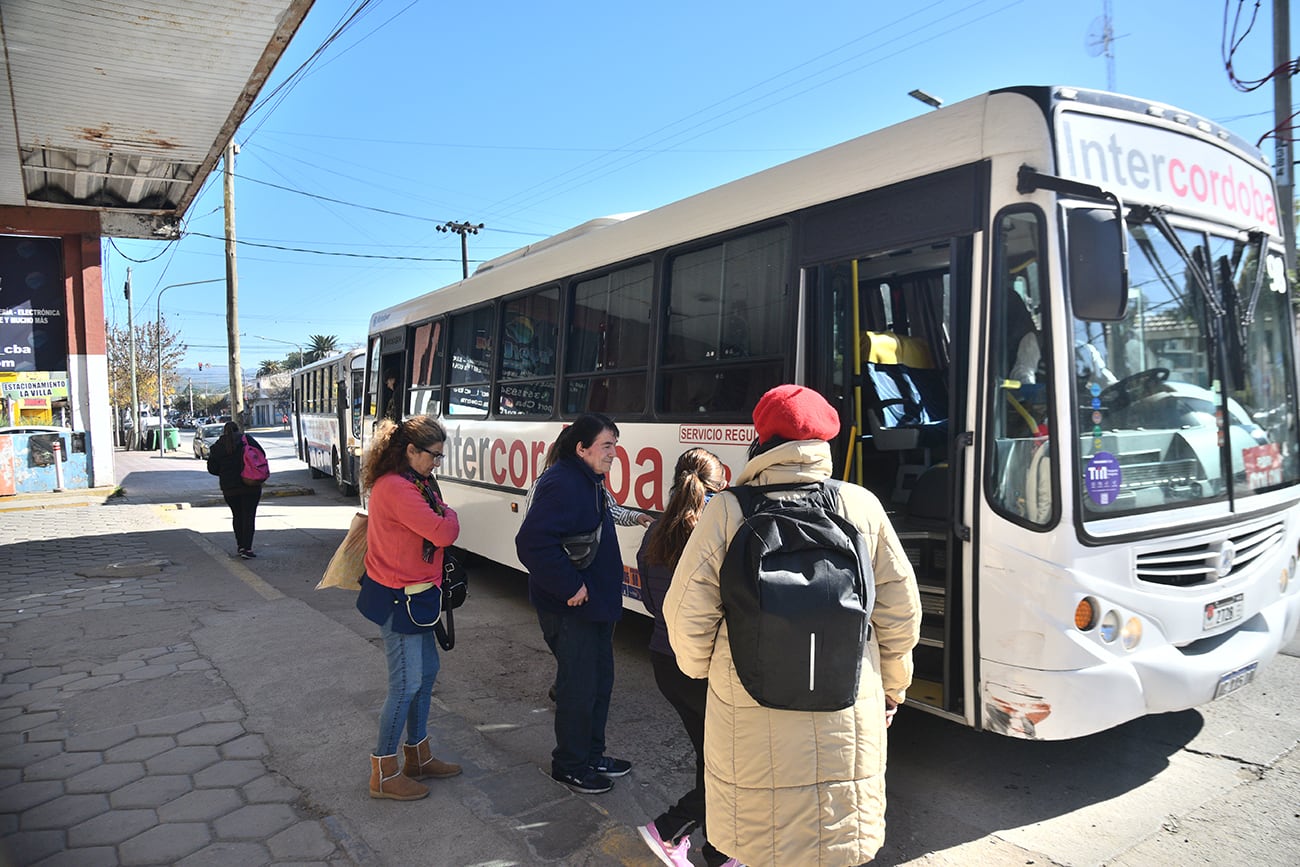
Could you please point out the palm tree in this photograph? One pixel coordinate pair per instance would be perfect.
(321, 346)
(269, 367)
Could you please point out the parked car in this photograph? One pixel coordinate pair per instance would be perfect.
(204, 436)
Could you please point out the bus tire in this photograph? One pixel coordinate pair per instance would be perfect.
(345, 487)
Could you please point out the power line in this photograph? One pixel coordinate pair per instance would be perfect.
(323, 252)
(640, 154)
(371, 207)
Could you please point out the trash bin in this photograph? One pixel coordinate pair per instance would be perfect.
(172, 439)
(151, 439)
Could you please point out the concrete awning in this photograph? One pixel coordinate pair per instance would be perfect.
(125, 106)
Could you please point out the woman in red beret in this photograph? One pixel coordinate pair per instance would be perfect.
(782, 786)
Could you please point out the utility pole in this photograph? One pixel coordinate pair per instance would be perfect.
(191, 388)
(462, 229)
(1283, 156)
(232, 285)
(133, 440)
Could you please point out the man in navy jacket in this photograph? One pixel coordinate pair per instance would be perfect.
(577, 607)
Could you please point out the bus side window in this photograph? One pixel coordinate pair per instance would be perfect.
(426, 368)
(1020, 456)
(728, 324)
(608, 346)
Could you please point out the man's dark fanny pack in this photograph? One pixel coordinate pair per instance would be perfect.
(582, 548)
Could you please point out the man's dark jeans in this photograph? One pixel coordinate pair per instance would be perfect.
(584, 653)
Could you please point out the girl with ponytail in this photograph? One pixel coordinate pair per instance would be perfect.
(699, 475)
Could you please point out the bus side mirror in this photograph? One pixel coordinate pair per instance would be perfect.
(1097, 263)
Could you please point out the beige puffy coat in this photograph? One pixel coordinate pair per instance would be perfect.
(793, 788)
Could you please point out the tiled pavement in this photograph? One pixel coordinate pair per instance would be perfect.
(92, 632)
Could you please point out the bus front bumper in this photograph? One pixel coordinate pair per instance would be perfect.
(1057, 705)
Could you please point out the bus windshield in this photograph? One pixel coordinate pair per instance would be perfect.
(1191, 396)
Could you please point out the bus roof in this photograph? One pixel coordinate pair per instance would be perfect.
(329, 359)
(969, 130)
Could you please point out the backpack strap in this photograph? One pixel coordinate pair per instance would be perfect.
(824, 494)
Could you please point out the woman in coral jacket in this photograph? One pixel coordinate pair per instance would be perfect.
(408, 527)
(794, 787)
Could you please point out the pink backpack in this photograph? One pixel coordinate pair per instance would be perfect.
(255, 469)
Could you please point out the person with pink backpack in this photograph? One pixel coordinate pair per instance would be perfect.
(239, 462)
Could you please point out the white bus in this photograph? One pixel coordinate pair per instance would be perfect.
(1057, 328)
(326, 418)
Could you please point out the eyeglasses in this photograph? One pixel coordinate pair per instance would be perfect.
(437, 456)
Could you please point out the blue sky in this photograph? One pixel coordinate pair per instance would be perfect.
(532, 118)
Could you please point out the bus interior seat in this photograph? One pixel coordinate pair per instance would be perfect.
(928, 505)
(910, 409)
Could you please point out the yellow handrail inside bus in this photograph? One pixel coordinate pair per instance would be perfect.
(1019, 407)
(848, 457)
(856, 340)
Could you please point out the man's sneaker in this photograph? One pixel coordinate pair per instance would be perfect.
(590, 783)
(611, 767)
(673, 856)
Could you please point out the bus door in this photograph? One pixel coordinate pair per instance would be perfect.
(896, 320)
(344, 474)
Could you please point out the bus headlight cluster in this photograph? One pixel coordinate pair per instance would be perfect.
(1110, 626)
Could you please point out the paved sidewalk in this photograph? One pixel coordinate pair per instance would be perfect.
(119, 742)
(160, 704)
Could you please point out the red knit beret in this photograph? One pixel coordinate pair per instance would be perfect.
(794, 412)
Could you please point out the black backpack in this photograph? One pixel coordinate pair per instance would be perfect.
(797, 589)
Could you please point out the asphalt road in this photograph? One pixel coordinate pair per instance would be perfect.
(1216, 785)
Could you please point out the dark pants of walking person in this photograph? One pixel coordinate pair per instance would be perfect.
(584, 655)
(243, 514)
(688, 696)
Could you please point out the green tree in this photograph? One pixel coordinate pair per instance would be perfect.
(322, 345)
(269, 367)
(149, 338)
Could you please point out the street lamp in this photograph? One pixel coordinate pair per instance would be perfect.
(302, 356)
(162, 425)
(932, 101)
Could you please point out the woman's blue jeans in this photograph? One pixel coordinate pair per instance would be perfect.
(412, 669)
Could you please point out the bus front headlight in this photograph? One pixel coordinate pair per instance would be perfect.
(1109, 626)
(1131, 634)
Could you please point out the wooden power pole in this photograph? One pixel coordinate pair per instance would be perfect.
(232, 287)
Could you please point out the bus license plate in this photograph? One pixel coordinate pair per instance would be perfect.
(1235, 680)
(1223, 611)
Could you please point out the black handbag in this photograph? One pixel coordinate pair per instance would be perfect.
(455, 589)
(455, 581)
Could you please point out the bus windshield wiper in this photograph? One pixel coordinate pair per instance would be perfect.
(1155, 216)
(1261, 268)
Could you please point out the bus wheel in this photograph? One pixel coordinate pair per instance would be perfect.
(345, 487)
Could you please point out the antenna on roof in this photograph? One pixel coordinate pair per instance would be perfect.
(1100, 40)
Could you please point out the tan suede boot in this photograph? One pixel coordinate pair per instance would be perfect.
(419, 763)
(386, 781)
